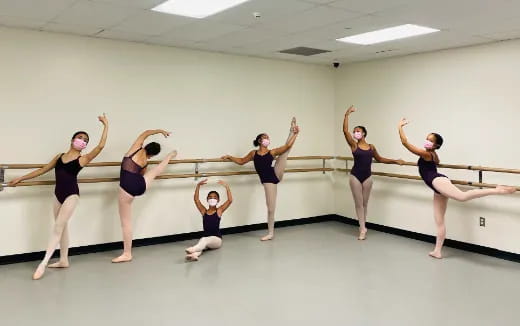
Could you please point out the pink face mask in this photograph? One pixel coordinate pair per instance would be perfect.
(428, 144)
(358, 135)
(79, 144)
(266, 142)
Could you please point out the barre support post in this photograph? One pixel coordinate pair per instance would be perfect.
(480, 177)
(2, 175)
(196, 171)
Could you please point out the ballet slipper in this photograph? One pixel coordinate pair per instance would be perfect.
(38, 274)
(267, 237)
(436, 255)
(60, 264)
(122, 259)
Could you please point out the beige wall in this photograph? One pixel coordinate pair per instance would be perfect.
(468, 95)
(53, 85)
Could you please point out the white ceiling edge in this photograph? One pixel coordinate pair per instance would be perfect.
(491, 42)
(343, 63)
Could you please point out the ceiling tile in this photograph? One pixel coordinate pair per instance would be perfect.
(198, 31)
(142, 4)
(436, 41)
(73, 29)
(368, 6)
(309, 19)
(21, 22)
(94, 14)
(124, 36)
(151, 23)
(242, 37)
(319, 2)
(504, 35)
(447, 14)
(356, 25)
(269, 10)
(44, 10)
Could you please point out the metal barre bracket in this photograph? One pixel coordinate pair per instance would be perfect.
(196, 171)
(323, 165)
(2, 174)
(480, 177)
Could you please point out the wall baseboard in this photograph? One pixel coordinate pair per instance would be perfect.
(38, 255)
(506, 255)
(34, 256)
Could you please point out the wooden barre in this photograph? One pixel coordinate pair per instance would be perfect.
(170, 176)
(451, 166)
(198, 160)
(414, 177)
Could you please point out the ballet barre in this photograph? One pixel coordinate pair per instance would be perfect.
(480, 169)
(197, 174)
(197, 160)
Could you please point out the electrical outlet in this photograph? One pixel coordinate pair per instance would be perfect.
(482, 221)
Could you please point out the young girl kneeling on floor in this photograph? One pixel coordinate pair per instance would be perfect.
(211, 216)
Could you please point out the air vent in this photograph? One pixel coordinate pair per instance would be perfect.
(301, 50)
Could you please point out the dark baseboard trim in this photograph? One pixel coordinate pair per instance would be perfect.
(506, 255)
(35, 256)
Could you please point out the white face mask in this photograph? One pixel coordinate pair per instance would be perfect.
(212, 202)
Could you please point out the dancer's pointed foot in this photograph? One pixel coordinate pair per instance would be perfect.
(362, 234)
(505, 189)
(38, 274)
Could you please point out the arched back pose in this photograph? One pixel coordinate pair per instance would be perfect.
(66, 167)
(440, 184)
(211, 216)
(135, 180)
(269, 176)
(361, 175)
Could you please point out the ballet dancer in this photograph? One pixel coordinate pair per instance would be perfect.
(360, 179)
(440, 184)
(66, 168)
(135, 180)
(269, 176)
(211, 217)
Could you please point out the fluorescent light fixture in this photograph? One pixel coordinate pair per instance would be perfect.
(388, 34)
(196, 8)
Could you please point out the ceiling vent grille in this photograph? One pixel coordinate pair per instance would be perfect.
(305, 51)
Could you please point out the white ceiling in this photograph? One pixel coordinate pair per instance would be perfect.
(284, 24)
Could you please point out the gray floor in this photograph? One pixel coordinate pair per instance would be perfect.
(312, 274)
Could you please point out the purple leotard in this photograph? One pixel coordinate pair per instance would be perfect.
(131, 179)
(211, 224)
(362, 168)
(264, 168)
(66, 178)
(428, 172)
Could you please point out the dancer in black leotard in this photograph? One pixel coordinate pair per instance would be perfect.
(211, 216)
(360, 176)
(269, 176)
(135, 180)
(440, 184)
(66, 167)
